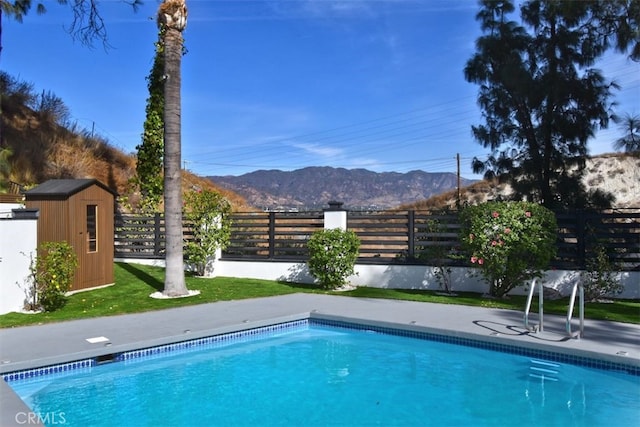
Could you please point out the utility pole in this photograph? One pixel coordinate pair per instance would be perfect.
(458, 164)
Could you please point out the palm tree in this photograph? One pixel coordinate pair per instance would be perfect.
(172, 19)
(630, 125)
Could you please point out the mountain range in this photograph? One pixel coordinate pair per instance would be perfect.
(313, 187)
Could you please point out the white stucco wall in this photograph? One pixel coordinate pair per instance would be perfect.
(409, 277)
(18, 242)
(397, 276)
(6, 208)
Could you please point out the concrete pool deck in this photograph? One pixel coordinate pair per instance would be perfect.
(36, 346)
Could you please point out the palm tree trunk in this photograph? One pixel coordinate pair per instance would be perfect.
(172, 16)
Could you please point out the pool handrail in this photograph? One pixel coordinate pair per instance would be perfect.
(540, 326)
(578, 286)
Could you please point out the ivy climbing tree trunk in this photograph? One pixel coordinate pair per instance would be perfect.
(172, 19)
(149, 175)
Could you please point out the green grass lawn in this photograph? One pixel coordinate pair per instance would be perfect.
(134, 284)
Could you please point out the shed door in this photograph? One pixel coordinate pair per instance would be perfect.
(89, 256)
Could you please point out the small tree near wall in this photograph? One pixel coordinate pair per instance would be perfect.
(601, 278)
(332, 256)
(209, 213)
(437, 252)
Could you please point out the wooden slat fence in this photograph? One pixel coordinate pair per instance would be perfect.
(579, 233)
(11, 198)
(272, 235)
(384, 236)
(436, 239)
(140, 236)
(388, 237)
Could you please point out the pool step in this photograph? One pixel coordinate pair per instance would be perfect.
(544, 370)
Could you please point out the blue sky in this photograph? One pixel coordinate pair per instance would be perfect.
(286, 84)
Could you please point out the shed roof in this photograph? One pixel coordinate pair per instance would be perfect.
(63, 188)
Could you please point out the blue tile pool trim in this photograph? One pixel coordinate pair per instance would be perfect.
(215, 340)
(266, 331)
(52, 370)
(504, 348)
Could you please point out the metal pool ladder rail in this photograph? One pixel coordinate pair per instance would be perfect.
(577, 287)
(540, 326)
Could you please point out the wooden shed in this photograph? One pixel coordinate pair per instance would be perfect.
(80, 212)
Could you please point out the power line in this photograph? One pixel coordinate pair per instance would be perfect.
(371, 136)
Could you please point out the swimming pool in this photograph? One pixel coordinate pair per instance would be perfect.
(330, 373)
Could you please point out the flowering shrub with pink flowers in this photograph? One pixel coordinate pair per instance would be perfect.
(509, 242)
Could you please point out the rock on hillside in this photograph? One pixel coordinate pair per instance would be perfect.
(618, 174)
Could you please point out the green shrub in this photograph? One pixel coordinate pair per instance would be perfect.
(332, 256)
(53, 273)
(208, 212)
(509, 242)
(600, 278)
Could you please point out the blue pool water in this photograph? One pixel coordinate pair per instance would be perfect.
(318, 375)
